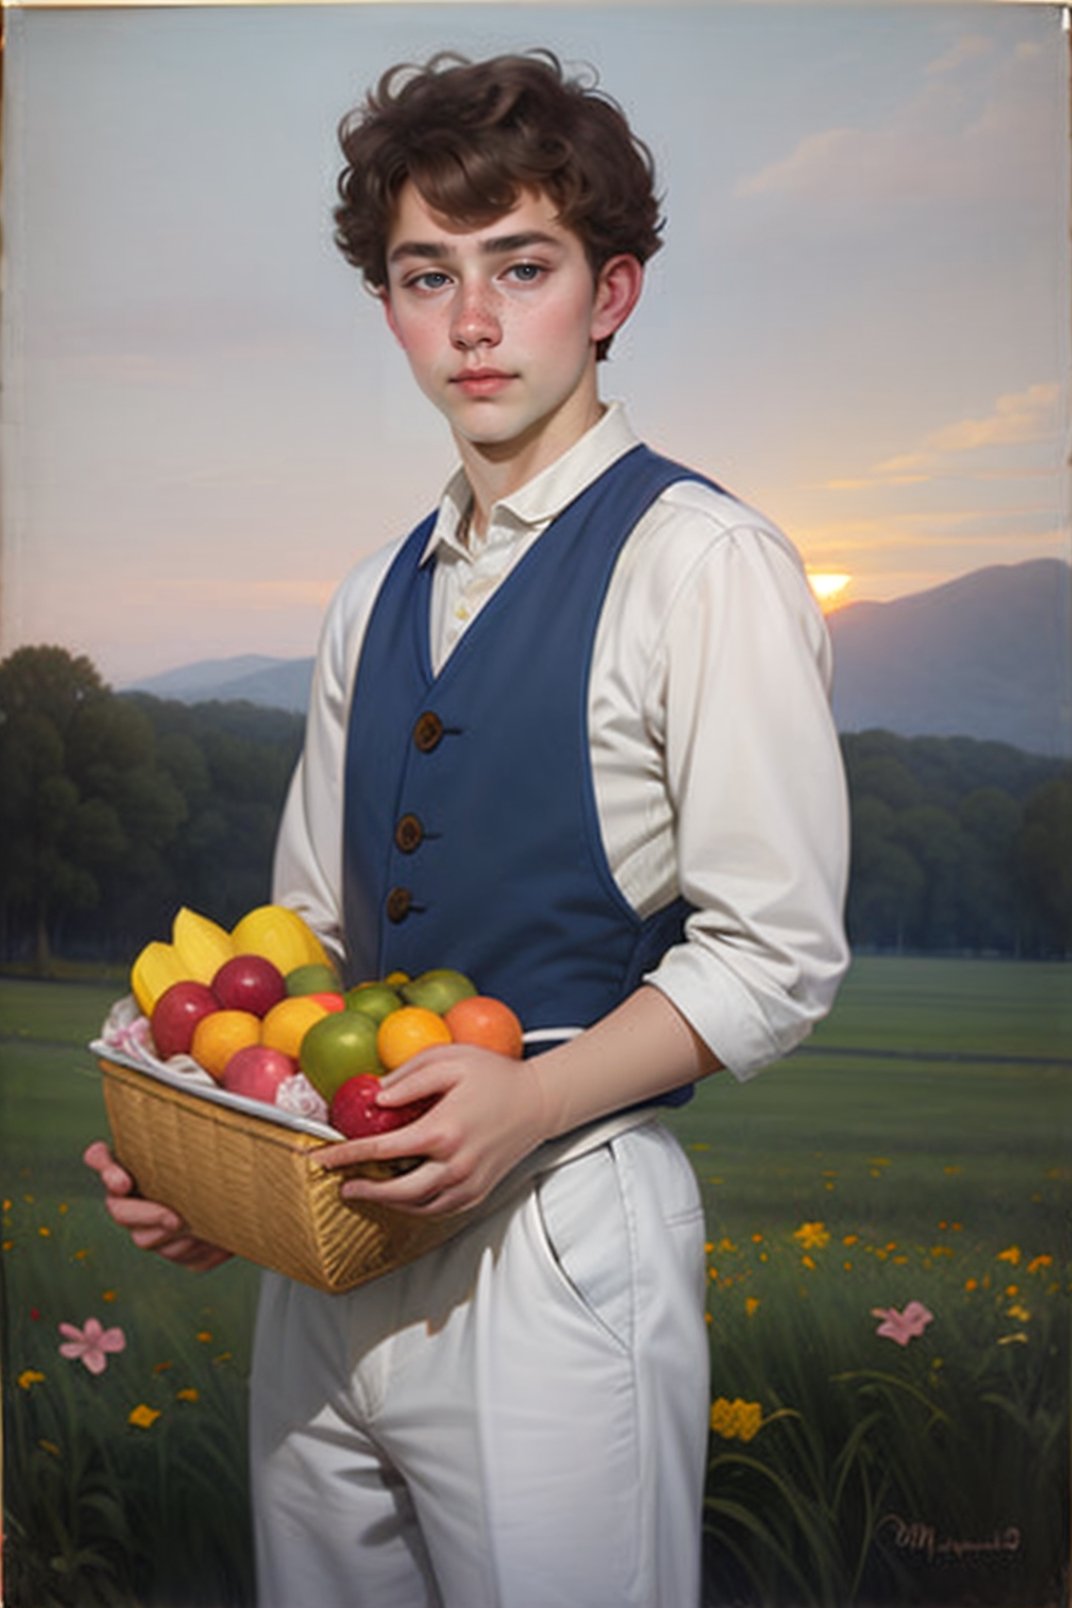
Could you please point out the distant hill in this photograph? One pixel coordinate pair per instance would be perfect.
(251, 678)
(986, 656)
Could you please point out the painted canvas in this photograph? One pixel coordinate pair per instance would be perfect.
(860, 323)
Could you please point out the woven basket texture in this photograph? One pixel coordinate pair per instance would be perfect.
(253, 1186)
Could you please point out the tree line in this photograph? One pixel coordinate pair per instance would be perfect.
(116, 809)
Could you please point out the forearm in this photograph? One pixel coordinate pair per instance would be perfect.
(641, 1050)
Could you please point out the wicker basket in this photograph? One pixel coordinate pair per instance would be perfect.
(252, 1185)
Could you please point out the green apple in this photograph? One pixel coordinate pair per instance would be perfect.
(375, 999)
(437, 990)
(338, 1047)
(313, 978)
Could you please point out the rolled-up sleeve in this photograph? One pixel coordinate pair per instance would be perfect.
(308, 869)
(754, 772)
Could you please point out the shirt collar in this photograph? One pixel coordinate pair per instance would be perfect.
(541, 499)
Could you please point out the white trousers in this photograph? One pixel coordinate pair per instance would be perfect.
(516, 1420)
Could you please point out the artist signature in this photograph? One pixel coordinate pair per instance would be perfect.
(923, 1539)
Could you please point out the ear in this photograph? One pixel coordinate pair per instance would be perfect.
(618, 286)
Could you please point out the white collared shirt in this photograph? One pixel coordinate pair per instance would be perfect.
(715, 762)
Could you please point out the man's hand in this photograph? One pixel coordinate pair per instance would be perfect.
(488, 1114)
(151, 1226)
(491, 1111)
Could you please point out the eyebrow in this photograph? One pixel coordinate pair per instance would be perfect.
(498, 245)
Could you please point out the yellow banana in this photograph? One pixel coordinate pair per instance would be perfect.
(155, 969)
(203, 945)
(281, 936)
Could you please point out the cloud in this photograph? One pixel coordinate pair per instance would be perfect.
(1019, 418)
(969, 47)
(981, 123)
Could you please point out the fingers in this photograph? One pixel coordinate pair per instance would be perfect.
(116, 1180)
(151, 1225)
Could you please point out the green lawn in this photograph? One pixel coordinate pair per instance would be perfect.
(917, 1148)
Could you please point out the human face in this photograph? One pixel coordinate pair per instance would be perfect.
(500, 324)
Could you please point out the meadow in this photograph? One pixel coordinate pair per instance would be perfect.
(889, 1264)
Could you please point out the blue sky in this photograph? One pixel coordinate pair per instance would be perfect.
(859, 321)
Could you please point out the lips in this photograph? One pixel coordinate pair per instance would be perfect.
(481, 382)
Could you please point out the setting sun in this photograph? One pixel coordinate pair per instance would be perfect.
(828, 585)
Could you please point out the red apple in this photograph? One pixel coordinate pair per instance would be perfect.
(176, 1014)
(257, 1071)
(354, 1111)
(249, 983)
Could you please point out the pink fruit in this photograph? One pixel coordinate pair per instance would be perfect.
(354, 1111)
(257, 1071)
(176, 1014)
(249, 983)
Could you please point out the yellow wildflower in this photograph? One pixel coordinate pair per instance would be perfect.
(971, 1284)
(809, 1262)
(9, 1245)
(7, 1205)
(737, 1419)
(28, 1377)
(751, 1305)
(189, 1394)
(80, 1256)
(63, 1208)
(812, 1236)
(850, 1239)
(143, 1417)
(749, 1419)
(1011, 1253)
(1037, 1263)
(204, 1335)
(45, 1232)
(109, 1295)
(1019, 1312)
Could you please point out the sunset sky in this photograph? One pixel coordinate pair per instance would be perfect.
(859, 321)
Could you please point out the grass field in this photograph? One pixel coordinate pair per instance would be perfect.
(917, 1149)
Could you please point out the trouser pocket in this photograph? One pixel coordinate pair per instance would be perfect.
(587, 1236)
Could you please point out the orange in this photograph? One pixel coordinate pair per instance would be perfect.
(217, 1037)
(407, 1032)
(480, 1019)
(287, 1023)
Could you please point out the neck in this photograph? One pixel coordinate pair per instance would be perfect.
(496, 470)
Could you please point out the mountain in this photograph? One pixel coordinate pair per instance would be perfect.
(252, 678)
(984, 656)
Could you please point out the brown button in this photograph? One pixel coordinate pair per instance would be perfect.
(427, 731)
(399, 901)
(408, 833)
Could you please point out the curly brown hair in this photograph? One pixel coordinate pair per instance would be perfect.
(472, 135)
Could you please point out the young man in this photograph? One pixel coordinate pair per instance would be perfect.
(572, 738)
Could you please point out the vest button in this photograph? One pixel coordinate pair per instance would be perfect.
(399, 901)
(427, 731)
(409, 833)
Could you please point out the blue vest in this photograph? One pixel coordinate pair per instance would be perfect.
(471, 833)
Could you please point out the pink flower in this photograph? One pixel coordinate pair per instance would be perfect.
(902, 1326)
(91, 1344)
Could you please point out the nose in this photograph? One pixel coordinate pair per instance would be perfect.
(475, 320)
